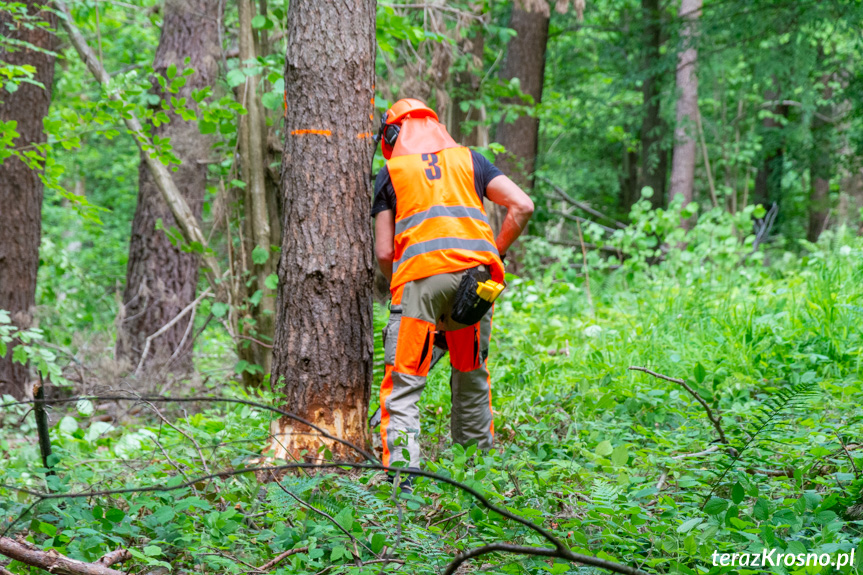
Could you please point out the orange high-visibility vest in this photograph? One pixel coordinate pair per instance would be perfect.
(441, 225)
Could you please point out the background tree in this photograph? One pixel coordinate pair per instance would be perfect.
(162, 275)
(28, 40)
(322, 359)
(654, 156)
(686, 130)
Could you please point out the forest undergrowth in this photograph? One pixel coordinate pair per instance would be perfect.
(751, 441)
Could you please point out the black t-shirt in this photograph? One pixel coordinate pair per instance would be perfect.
(385, 196)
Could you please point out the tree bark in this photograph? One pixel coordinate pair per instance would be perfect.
(322, 359)
(254, 158)
(821, 166)
(467, 88)
(683, 157)
(161, 278)
(20, 187)
(768, 181)
(525, 60)
(654, 158)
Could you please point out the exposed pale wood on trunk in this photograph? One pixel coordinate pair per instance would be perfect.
(21, 187)
(322, 358)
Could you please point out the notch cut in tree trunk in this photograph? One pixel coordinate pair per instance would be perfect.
(323, 352)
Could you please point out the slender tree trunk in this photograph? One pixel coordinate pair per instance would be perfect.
(525, 60)
(683, 158)
(161, 278)
(654, 158)
(768, 181)
(20, 186)
(258, 320)
(821, 166)
(322, 359)
(467, 88)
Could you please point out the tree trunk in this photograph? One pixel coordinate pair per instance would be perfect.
(161, 278)
(654, 158)
(467, 88)
(525, 60)
(20, 186)
(821, 166)
(683, 157)
(254, 158)
(322, 359)
(768, 181)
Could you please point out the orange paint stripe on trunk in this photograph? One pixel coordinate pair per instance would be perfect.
(365, 135)
(315, 132)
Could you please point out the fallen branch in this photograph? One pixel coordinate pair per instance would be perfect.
(560, 549)
(710, 449)
(580, 205)
(168, 326)
(560, 553)
(714, 419)
(587, 245)
(332, 519)
(57, 564)
(281, 557)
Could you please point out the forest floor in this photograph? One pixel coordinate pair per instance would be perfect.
(616, 463)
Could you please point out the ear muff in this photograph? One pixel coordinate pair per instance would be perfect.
(391, 134)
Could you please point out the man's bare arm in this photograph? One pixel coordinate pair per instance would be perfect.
(504, 192)
(385, 233)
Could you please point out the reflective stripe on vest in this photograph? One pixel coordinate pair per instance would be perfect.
(439, 211)
(441, 225)
(444, 244)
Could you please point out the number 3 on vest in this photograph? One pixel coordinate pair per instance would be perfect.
(433, 171)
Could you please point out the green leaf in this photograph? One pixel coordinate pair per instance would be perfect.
(378, 541)
(235, 77)
(272, 100)
(700, 373)
(737, 493)
(476, 514)
(115, 515)
(171, 71)
(604, 448)
(761, 510)
(260, 255)
(152, 550)
(48, 529)
(206, 127)
(338, 552)
(620, 455)
(219, 309)
(261, 21)
(688, 526)
(272, 281)
(715, 506)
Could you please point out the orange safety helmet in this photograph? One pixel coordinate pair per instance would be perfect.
(390, 122)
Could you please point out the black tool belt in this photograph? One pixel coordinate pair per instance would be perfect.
(468, 307)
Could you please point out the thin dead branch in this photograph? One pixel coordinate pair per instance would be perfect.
(715, 420)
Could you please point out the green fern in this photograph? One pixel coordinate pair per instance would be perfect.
(765, 417)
